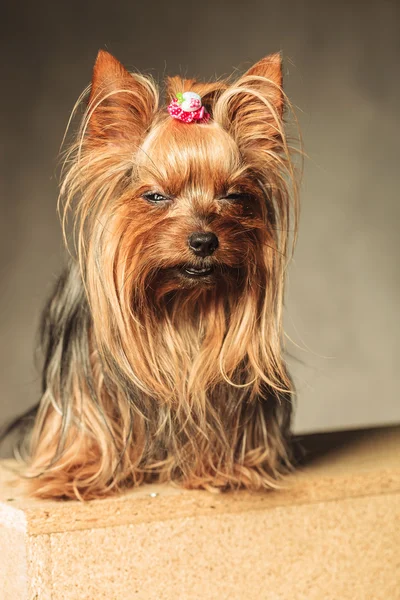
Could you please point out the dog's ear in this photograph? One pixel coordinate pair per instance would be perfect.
(252, 108)
(270, 70)
(121, 105)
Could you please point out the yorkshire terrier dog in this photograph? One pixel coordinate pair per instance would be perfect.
(163, 343)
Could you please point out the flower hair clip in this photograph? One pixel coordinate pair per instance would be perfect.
(187, 107)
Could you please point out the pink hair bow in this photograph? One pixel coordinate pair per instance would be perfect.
(187, 107)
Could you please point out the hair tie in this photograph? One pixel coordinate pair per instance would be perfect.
(187, 107)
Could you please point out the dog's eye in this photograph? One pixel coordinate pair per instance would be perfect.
(154, 197)
(236, 196)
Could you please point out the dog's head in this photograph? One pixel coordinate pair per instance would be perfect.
(171, 215)
(184, 206)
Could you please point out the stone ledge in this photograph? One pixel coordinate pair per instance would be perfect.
(332, 532)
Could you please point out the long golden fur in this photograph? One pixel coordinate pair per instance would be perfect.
(149, 374)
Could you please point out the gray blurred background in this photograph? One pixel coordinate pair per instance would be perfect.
(341, 71)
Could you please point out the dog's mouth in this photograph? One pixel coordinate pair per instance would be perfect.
(195, 272)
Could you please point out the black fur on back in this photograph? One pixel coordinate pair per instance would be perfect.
(63, 332)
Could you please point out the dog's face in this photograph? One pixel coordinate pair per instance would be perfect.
(198, 214)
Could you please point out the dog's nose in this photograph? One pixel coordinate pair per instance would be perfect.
(203, 243)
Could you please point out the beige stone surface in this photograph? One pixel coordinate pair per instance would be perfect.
(13, 559)
(332, 532)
